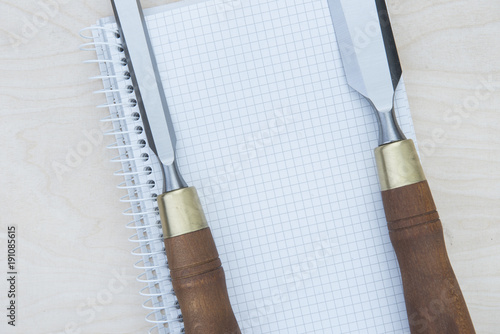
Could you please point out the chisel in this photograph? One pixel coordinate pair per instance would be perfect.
(195, 268)
(433, 297)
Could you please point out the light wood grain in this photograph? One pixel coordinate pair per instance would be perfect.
(72, 238)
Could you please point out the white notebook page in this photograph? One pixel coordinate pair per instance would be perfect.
(281, 152)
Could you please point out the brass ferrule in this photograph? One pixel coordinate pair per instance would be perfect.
(181, 212)
(398, 165)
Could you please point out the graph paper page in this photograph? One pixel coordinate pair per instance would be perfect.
(281, 152)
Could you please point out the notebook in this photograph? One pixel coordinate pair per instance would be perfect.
(281, 152)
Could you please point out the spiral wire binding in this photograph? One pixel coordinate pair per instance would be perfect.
(140, 169)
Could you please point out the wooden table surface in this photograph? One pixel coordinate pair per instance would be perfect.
(72, 244)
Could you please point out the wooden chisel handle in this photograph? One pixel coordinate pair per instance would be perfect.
(197, 275)
(434, 301)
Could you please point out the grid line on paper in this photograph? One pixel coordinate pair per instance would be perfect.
(280, 149)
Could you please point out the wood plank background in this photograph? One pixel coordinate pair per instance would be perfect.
(75, 271)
